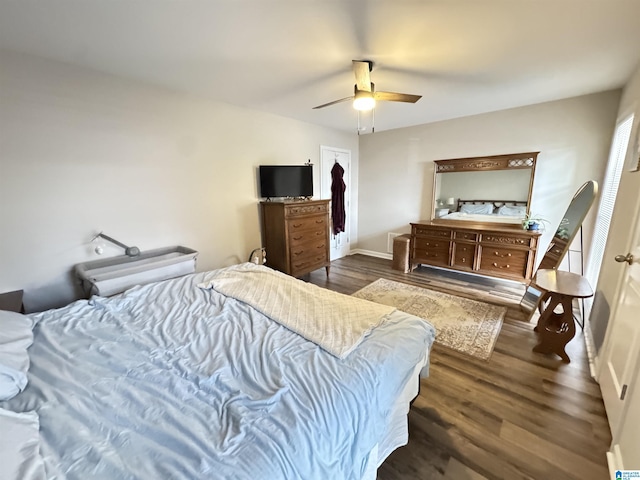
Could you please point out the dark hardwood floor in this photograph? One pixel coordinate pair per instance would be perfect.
(520, 415)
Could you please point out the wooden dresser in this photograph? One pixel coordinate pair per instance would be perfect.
(296, 235)
(497, 251)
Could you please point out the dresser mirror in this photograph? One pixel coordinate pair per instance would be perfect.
(565, 234)
(487, 190)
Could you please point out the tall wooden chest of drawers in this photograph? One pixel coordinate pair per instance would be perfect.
(296, 235)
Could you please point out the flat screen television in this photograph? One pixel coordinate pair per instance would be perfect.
(286, 181)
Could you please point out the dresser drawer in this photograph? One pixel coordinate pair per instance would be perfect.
(295, 210)
(307, 236)
(431, 251)
(504, 261)
(309, 250)
(431, 231)
(307, 224)
(308, 264)
(461, 235)
(507, 239)
(422, 243)
(464, 255)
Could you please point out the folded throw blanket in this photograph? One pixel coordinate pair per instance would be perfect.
(335, 322)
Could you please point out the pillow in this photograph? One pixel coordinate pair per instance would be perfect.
(514, 210)
(20, 456)
(482, 209)
(16, 335)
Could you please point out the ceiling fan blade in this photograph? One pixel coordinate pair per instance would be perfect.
(334, 102)
(396, 97)
(361, 71)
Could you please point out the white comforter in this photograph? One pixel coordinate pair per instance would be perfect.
(169, 381)
(335, 322)
(477, 217)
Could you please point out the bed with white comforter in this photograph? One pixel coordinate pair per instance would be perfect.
(176, 381)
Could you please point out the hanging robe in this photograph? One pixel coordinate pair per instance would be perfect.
(338, 215)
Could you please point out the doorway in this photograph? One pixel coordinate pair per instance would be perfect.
(329, 156)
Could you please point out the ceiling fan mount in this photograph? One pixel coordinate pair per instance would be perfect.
(365, 96)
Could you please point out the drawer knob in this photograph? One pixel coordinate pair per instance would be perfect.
(464, 260)
(297, 238)
(319, 221)
(297, 225)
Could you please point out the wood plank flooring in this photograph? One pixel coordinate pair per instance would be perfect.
(520, 415)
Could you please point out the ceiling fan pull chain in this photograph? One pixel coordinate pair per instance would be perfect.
(373, 120)
(358, 113)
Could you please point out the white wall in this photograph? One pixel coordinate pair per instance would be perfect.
(396, 166)
(81, 152)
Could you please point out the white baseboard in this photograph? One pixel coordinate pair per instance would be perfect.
(591, 352)
(371, 253)
(614, 461)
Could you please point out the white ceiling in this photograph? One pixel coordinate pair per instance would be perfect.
(284, 57)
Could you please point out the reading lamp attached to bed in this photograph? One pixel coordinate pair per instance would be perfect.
(129, 251)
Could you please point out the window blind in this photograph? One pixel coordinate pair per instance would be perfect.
(608, 195)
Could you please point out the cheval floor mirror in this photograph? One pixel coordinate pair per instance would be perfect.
(561, 243)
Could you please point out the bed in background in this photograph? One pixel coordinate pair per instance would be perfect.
(491, 211)
(176, 380)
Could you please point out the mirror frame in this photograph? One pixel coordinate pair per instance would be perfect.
(512, 161)
(553, 258)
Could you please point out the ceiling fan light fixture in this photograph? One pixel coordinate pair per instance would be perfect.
(364, 101)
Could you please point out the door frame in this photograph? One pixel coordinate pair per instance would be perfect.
(619, 409)
(338, 249)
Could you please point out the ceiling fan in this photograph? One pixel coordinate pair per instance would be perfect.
(365, 96)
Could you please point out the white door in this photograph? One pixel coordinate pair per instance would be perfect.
(329, 156)
(621, 361)
(625, 451)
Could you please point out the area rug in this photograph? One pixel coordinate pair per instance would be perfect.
(464, 325)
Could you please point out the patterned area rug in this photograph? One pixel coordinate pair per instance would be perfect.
(464, 325)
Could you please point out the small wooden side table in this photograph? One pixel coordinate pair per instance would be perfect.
(11, 301)
(555, 330)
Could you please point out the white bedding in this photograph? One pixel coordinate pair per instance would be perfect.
(335, 322)
(476, 217)
(172, 381)
(20, 457)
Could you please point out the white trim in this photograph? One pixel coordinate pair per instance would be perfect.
(591, 351)
(614, 461)
(371, 253)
